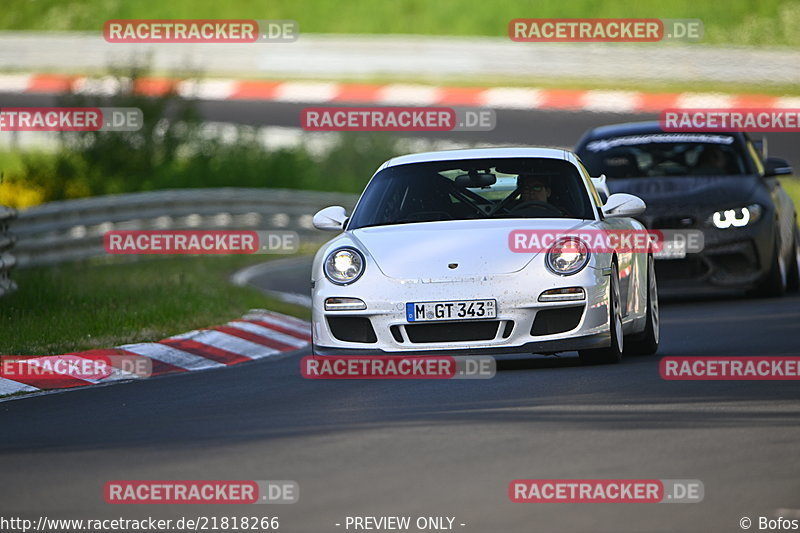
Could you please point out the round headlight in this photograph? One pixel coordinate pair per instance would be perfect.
(567, 256)
(344, 265)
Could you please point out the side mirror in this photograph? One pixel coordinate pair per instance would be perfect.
(330, 219)
(602, 187)
(623, 205)
(775, 166)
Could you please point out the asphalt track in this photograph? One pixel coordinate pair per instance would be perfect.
(437, 448)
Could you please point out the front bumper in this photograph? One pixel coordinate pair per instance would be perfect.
(585, 342)
(384, 329)
(731, 259)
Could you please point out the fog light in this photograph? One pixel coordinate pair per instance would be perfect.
(344, 304)
(569, 294)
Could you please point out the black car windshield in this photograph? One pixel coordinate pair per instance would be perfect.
(474, 189)
(663, 154)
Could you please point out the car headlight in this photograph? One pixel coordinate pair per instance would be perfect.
(344, 265)
(567, 256)
(736, 218)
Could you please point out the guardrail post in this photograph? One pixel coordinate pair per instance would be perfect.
(7, 261)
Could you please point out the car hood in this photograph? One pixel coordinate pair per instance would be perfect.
(687, 192)
(479, 247)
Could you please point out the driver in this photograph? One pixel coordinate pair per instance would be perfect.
(533, 188)
(712, 159)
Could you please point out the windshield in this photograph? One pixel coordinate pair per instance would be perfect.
(472, 189)
(663, 154)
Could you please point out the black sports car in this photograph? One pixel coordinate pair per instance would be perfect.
(720, 183)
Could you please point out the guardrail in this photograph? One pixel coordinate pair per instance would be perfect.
(73, 229)
(7, 261)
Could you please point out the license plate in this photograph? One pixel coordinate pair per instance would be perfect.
(671, 250)
(453, 310)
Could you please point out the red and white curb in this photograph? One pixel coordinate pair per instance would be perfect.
(257, 335)
(316, 92)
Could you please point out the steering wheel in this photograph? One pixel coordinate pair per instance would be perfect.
(535, 204)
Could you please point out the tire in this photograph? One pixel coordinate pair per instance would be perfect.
(775, 283)
(646, 343)
(793, 278)
(613, 353)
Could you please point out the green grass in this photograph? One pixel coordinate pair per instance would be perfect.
(749, 22)
(81, 306)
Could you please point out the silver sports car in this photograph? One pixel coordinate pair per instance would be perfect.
(431, 262)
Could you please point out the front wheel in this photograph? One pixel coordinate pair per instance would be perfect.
(612, 354)
(647, 342)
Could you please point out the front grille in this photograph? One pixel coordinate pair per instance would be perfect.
(681, 269)
(396, 333)
(734, 260)
(352, 329)
(483, 330)
(551, 321)
(734, 264)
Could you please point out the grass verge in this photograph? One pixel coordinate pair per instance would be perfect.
(81, 306)
(741, 22)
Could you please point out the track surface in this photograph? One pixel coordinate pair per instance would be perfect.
(436, 448)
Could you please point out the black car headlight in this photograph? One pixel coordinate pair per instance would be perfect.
(344, 265)
(736, 218)
(567, 256)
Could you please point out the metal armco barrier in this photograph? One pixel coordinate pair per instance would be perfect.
(73, 229)
(7, 261)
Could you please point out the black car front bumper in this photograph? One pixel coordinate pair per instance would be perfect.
(736, 258)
